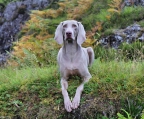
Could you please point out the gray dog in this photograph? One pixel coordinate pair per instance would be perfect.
(73, 59)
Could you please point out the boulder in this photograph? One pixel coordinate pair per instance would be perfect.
(130, 34)
(133, 2)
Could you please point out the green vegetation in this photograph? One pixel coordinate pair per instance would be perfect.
(29, 89)
(30, 82)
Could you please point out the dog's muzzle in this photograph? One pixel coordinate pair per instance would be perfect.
(69, 35)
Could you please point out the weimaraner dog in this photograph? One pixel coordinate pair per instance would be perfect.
(73, 59)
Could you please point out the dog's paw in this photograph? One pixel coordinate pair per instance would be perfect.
(75, 102)
(68, 105)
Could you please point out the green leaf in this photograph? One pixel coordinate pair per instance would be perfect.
(120, 116)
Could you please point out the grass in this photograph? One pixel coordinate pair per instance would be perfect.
(36, 89)
(15, 77)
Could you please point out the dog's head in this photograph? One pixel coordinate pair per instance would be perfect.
(70, 30)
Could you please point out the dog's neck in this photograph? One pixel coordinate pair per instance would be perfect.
(71, 49)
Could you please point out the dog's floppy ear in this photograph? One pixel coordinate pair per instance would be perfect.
(81, 34)
(58, 34)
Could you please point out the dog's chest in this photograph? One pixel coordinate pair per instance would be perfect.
(71, 66)
(73, 69)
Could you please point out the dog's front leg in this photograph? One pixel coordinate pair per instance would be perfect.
(76, 100)
(67, 101)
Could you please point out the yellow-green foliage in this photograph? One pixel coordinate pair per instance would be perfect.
(78, 9)
(94, 29)
(120, 116)
(91, 33)
(115, 6)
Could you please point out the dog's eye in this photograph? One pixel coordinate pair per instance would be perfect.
(74, 26)
(65, 26)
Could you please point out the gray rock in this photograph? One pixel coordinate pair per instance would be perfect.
(128, 35)
(10, 11)
(134, 2)
(142, 2)
(127, 3)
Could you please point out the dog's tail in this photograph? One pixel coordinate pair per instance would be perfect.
(91, 55)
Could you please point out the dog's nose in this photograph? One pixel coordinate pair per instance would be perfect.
(68, 33)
